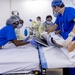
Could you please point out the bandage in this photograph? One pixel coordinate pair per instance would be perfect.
(44, 35)
(69, 39)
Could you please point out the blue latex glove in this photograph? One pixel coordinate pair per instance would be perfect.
(26, 39)
(33, 42)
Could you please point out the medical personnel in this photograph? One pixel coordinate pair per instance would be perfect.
(65, 22)
(7, 33)
(36, 27)
(40, 26)
(48, 23)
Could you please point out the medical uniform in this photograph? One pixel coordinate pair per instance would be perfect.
(7, 33)
(47, 26)
(65, 21)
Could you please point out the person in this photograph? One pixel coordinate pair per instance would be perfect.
(36, 27)
(65, 23)
(39, 26)
(38, 19)
(17, 30)
(48, 23)
(7, 33)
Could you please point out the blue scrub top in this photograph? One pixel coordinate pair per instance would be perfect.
(65, 22)
(7, 33)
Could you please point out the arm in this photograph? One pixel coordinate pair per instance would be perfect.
(74, 19)
(71, 35)
(57, 32)
(19, 42)
(53, 28)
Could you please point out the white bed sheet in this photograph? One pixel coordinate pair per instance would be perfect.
(19, 59)
(54, 57)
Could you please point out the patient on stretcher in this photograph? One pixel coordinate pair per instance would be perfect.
(57, 40)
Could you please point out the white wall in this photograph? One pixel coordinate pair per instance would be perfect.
(69, 3)
(4, 11)
(28, 9)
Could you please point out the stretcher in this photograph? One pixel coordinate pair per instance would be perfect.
(54, 57)
(22, 59)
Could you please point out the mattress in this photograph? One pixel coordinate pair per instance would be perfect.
(54, 57)
(19, 59)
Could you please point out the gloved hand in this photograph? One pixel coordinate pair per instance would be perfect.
(26, 39)
(33, 42)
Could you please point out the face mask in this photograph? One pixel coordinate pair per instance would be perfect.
(19, 26)
(48, 22)
(55, 14)
(38, 21)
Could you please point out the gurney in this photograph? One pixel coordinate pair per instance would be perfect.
(54, 58)
(22, 59)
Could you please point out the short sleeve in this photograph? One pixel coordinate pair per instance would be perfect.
(11, 33)
(70, 14)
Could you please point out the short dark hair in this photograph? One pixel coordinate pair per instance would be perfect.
(49, 16)
(39, 17)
